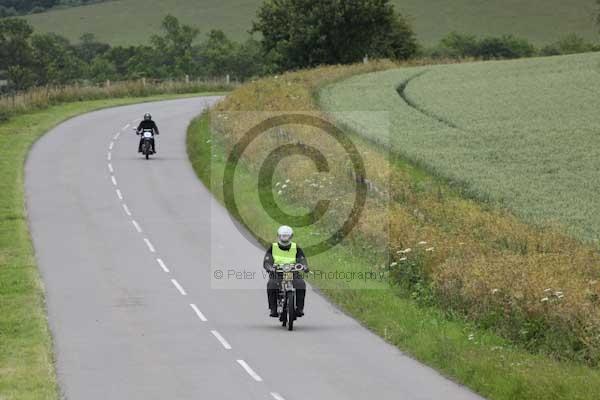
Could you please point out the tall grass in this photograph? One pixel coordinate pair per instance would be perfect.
(43, 97)
(538, 287)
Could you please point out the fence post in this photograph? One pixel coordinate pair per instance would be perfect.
(227, 79)
(187, 79)
(366, 59)
(108, 83)
(144, 81)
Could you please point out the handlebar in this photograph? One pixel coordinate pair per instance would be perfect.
(288, 267)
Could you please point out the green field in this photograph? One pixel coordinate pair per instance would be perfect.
(133, 21)
(522, 133)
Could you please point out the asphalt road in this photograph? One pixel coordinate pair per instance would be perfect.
(124, 248)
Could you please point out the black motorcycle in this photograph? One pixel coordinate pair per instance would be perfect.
(147, 139)
(286, 298)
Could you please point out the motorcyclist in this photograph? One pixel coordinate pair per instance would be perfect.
(147, 123)
(284, 251)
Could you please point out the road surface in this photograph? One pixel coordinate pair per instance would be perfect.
(124, 249)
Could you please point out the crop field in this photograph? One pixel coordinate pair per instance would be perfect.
(133, 21)
(522, 134)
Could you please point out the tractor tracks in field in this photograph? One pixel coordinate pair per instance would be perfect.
(401, 89)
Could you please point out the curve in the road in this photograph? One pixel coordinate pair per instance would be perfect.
(125, 245)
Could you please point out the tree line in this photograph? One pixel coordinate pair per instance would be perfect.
(293, 34)
(35, 59)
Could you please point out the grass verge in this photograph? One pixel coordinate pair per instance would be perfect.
(26, 358)
(478, 358)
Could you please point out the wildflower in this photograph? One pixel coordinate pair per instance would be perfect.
(280, 192)
(405, 251)
(283, 186)
(494, 291)
(287, 181)
(208, 141)
(547, 290)
(558, 293)
(277, 184)
(545, 299)
(560, 296)
(403, 259)
(422, 242)
(393, 264)
(429, 249)
(471, 336)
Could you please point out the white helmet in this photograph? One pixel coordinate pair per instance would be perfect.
(284, 235)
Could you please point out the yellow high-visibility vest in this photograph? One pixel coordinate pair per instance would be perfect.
(284, 256)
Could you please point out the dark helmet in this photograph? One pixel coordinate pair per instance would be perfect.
(147, 117)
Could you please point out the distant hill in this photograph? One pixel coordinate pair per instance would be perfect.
(133, 21)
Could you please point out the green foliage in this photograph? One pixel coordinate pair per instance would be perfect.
(28, 59)
(459, 45)
(570, 44)
(304, 33)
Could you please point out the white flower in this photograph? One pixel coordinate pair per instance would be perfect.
(558, 293)
(283, 186)
(547, 290)
(407, 250)
(277, 184)
(281, 191)
(403, 259)
(429, 249)
(471, 336)
(545, 299)
(393, 264)
(494, 291)
(287, 181)
(422, 242)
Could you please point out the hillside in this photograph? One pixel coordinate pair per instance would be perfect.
(133, 21)
(514, 132)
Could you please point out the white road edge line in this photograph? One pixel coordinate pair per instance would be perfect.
(178, 286)
(111, 145)
(136, 225)
(119, 194)
(277, 396)
(198, 313)
(126, 209)
(117, 135)
(249, 370)
(221, 339)
(162, 265)
(150, 247)
(110, 168)
(113, 179)
(126, 126)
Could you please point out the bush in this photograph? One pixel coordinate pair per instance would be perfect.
(570, 44)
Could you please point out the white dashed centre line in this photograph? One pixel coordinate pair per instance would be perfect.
(198, 313)
(110, 168)
(137, 226)
(117, 135)
(109, 156)
(221, 339)
(249, 370)
(277, 396)
(150, 247)
(126, 210)
(111, 145)
(162, 265)
(119, 194)
(178, 286)
(113, 179)
(126, 126)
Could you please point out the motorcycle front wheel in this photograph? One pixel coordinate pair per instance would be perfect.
(291, 310)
